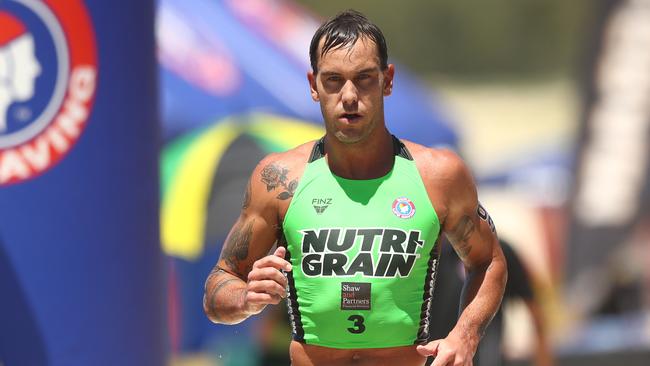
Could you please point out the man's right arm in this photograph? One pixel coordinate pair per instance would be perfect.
(246, 278)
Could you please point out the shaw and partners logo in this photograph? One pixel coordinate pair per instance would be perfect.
(332, 252)
(48, 75)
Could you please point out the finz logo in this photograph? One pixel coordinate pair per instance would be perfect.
(48, 74)
(320, 204)
(403, 208)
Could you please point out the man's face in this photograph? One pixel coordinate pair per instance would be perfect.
(350, 87)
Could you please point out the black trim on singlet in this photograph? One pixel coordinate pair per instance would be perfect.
(427, 296)
(400, 149)
(297, 331)
(318, 151)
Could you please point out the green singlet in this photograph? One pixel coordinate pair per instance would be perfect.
(364, 256)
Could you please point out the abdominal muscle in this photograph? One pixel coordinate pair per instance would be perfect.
(309, 355)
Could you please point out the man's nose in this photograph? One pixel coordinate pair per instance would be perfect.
(349, 95)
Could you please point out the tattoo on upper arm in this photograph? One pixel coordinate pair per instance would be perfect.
(275, 176)
(247, 196)
(460, 235)
(483, 214)
(235, 249)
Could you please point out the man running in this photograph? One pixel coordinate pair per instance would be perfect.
(356, 217)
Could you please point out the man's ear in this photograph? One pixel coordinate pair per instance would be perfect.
(312, 86)
(389, 73)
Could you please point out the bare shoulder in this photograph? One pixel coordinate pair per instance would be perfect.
(438, 164)
(276, 177)
(445, 176)
(291, 160)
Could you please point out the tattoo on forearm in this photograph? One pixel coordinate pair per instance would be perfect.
(483, 214)
(275, 176)
(213, 295)
(216, 272)
(460, 236)
(247, 196)
(236, 247)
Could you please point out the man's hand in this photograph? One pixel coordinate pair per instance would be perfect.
(451, 351)
(266, 283)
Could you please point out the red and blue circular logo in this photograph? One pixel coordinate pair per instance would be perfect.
(403, 208)
(48, 76)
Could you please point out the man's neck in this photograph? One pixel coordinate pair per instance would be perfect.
(368, 159)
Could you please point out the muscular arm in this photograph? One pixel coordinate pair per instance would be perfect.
(246, 278)
(472, 234)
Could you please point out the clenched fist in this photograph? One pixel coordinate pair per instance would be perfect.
(266, 282)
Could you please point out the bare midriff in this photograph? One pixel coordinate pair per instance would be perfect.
(309, 355)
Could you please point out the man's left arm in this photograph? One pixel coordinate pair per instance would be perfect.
(472, 234)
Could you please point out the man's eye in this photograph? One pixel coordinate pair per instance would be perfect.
(334, 79)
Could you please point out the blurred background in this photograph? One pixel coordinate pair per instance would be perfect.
(128, 132)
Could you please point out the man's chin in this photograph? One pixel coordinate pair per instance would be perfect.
(347, 138)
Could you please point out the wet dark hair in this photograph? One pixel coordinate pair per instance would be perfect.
(343, 31)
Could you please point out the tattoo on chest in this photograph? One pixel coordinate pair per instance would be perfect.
(235, 249)
(460, 236)
(275, 177)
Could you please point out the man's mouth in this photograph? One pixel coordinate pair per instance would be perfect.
(350, 117)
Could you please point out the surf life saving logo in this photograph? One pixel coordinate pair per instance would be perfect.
(48, 75)
(403, 208)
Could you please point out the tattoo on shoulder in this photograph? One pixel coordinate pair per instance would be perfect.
(275, 177)
(235, 248)
(483, 214)
(460, 235)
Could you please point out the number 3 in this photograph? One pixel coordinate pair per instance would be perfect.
(358, 324)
